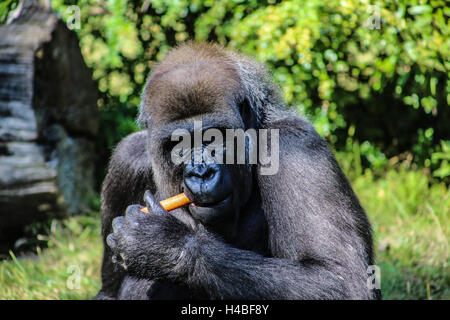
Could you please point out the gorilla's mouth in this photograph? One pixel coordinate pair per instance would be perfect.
(213, 212)
(215, 204)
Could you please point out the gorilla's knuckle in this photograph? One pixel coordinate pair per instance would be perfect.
(131, 210)
(133, 214)
(111, 241)
(118, 223)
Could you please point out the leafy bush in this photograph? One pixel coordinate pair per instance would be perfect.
(6, 9)
(381, 71)
(442, 158)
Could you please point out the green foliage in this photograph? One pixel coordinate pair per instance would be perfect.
(443, 159)
(348, 64)
(6, 9)
(381, 70)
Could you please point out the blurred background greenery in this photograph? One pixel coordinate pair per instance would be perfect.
(373, 77)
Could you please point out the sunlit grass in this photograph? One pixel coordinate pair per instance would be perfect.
(410, 221)
(73, 250)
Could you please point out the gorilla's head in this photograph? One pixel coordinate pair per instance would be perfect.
(207, 89)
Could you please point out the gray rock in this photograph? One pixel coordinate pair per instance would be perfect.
(48, 122)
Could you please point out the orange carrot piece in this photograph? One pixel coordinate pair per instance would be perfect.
(172, 203)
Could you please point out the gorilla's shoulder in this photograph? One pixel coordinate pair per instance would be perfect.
(297, 134)
(296, 125)
(131, 150)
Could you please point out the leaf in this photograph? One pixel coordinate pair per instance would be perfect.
(416, 10)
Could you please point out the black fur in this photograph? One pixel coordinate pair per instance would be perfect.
(298, 234)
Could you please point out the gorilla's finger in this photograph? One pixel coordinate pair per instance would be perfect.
(153, 205)
(133, 212)
(118, 223)
(111, 241)
(117, 259)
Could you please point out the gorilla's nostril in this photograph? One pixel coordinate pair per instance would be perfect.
(206, 183)
(209, 174)
(201, 171)
(195, 174)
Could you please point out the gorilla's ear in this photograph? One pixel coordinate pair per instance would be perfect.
(247, 114)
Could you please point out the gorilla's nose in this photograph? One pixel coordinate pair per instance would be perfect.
(205, 183)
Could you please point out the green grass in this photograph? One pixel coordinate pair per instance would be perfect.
(73, 250)
(410, 219)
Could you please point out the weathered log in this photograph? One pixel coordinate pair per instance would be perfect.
(48, 121)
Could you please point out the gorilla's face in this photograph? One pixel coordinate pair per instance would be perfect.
(175, 98)
(219, 190)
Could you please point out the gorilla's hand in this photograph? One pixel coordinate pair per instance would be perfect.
(152, 244)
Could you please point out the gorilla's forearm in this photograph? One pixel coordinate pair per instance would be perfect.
(204, 262)
(225, 272)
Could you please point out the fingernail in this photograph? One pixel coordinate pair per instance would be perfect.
(111, 241)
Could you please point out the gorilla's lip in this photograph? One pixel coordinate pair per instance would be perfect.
(216, 204)
(213, 213)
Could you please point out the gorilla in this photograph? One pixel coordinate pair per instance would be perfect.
(300, 233)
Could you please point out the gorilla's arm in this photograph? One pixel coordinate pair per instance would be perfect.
(229, 273)
(318, 248)
(322, 220)
(158, 246)
(129, 174)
